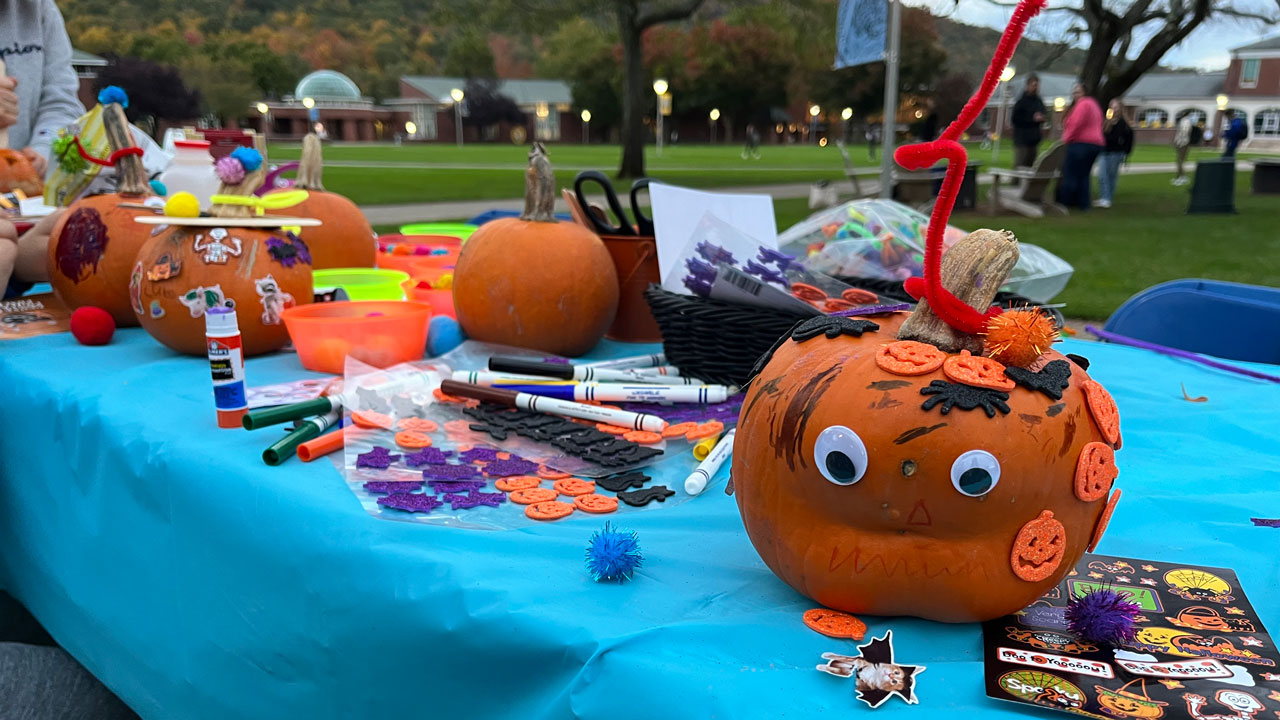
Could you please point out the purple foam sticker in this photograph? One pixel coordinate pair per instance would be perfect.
(767, 274)
(777, 257)
(726, 412)
(450, 472)
(427, 456)
(871, 310)
(411, 502)
(476, 499)
(391, 487)
(507, 468)
(379, 458)
(714, 253)
(481, 454)
(455, 486)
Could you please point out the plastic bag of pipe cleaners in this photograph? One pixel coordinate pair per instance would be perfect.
(414, 454)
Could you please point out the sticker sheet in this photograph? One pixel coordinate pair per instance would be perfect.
(33, 315)
(1201, 651)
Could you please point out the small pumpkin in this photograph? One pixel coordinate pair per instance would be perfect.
(880, 471)
(535, 282)
(184, 270)
(345, 239)
(93, 245)
(16, 171)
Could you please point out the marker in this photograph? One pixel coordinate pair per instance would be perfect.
(704, 447)
(636, 361)
(265, 417)
(523, 366)
(321, 446)
(534, 403)
(500, 379)
(608, 392)
(662, 370)
(284, 448)
(701, 475)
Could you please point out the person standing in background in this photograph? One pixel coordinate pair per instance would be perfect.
(1082, 134)
(752, 148)
(1181, 145)
(1028, 116)
(1236, 132)
(38, 93)
(1118, 137)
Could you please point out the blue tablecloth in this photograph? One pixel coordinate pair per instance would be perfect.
(199, 583)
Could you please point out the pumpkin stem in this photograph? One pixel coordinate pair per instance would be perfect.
(539, 187)
(131, 176)
(311, 165)
(973, 270)
(252, 181)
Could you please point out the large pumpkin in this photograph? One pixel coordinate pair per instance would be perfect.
(345, 239)
(184, 270)
(93, 245)
(534, 282)
(887, 476)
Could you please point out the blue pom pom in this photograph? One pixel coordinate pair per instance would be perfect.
(158, 188)
(613, 554)
(112, 94)
(251, 159)
(1103, 616)
(443, 334)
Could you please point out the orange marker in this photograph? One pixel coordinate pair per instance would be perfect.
(321, 446)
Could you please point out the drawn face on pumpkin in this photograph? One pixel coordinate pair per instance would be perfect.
(861, 494)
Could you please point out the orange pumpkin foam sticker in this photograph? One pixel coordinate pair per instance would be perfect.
(1104, 520)
(1095, 471)
(1103, 411)
(679, 429)
(574, 486)
(418, 424)
(705, 430)
(805, 291)
(371, 420)
(612, 429)
(598, 504)
(547, 473)
(1038, 548)
(908, 357)
(977, 371)
(834, 623)
(549, 510)
(529, 496)
(518, 482)
(412, 439)
(643, 437)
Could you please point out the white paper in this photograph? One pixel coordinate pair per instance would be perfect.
(677, 212)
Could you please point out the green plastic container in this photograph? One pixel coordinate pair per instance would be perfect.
(458, 230)
(362, 283)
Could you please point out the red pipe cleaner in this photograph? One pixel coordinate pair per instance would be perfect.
(951, 309)
(110, 161)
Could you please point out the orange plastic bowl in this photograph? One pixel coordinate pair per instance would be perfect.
(441, 301)
(378, 333)
(399, 252)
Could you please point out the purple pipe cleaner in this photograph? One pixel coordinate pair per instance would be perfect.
(507, 468)
(391, 487)
(450, 472)
(714, 254)
(871, 310)
(1175, 352)
(481, 454)
(1103, 616)
(427, 456)
(379, 458)
(411, 502)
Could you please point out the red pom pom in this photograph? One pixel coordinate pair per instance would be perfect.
(92, 325)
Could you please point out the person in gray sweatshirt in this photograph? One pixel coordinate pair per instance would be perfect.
(38, 95)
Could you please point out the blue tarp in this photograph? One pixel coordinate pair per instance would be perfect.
(199, 583)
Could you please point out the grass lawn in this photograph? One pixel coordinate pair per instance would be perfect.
(1147, 238)
(440, 172)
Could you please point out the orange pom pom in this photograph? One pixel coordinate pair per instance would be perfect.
(1019, 337)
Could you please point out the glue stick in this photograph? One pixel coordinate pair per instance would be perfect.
(226, 361)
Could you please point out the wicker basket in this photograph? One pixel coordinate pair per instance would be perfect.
(715, 341)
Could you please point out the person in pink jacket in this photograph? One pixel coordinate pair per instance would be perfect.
(1082, 134)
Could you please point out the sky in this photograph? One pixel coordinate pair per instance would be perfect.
(1207, 47)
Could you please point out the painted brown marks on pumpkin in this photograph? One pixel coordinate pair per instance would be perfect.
(888, 384)
(876, 562)
(798, 411)
(1054, 409)
(1068, 435)
(885, 402)
(1030, 422)
(914, 433)
(770, 389)
(81, 244)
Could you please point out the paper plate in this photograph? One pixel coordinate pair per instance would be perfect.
(266, 221)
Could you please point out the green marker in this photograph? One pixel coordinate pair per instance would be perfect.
(307, 429)
(265, 417)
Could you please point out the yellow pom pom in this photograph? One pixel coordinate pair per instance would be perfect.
(444, 282)
(182, 204)
(1018, 338)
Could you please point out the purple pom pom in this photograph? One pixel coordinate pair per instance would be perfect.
(229, 170)
(1103, 616)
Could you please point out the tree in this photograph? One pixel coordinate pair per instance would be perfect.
(486, 106)
(587, 57)
(1127, 38)
(226, 85)
(469, 55)
(634, 17)
(950, 94)
(156, 92)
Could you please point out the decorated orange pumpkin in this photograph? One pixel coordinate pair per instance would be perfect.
(882, 468)
(345, 239)
(17, 173)
(199, 263)
(93, 245)
(534, 282)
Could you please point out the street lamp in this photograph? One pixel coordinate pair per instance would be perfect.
(586, 126)
(845, 115)
(813, 122)
(265, 111)
(411, 128)
(714, 116)
(660, 89)
(308, 103)
(1059, 103)
(1222, 102)
(457, 96)
(1005, 76)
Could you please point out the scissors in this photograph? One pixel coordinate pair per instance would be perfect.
(601, 222)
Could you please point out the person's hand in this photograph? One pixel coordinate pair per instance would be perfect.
(37, 160)
(9, 231)
(1039, 117)
(8, 101)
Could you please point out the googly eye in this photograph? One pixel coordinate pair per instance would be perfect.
(975, 473)
(840, 455)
